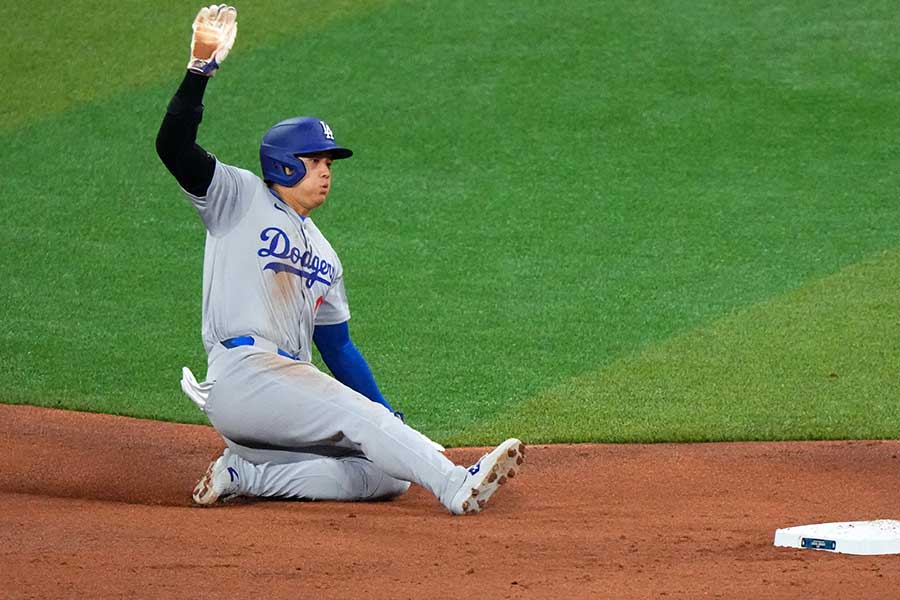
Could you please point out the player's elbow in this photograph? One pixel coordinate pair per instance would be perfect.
(165, 150)
(160, 146)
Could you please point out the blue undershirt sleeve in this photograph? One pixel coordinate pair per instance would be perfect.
(345, 362)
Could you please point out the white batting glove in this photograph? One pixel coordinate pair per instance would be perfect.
(196, 391)
(215, 28)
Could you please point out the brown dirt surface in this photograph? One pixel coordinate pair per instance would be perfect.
(96, 506)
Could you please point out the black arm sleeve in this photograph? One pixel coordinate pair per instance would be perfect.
(176, 142)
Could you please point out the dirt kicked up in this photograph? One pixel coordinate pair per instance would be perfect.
(94, 506)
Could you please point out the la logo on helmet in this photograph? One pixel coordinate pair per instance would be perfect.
(326, 131)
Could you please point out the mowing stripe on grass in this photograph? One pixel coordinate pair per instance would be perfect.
(58, 55)
(821, 362)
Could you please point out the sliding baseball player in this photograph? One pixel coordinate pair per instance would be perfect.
(272, 287)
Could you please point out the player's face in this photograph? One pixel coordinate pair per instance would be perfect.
(312, 190)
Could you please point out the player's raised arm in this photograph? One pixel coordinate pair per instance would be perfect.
(214, 30)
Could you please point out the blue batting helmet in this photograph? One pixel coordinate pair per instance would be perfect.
(291, 138)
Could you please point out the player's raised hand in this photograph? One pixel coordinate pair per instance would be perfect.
(214, 30)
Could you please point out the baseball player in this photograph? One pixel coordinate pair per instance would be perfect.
(273, 286)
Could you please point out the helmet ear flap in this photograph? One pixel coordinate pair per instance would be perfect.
(275, 164)
(299, 171)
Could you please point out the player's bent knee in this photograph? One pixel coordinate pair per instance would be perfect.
(389, 488)
(378, 484)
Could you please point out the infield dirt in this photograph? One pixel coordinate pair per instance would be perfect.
(95, 506)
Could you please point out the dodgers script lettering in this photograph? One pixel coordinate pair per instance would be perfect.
(314, 269)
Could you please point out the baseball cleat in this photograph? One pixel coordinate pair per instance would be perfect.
(220, 482)
(487, 475)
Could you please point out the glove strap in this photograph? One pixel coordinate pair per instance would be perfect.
(202, 66)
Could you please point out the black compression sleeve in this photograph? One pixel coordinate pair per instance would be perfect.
(176, 142)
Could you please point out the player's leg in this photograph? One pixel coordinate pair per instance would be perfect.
(280, 474)
(264, 400)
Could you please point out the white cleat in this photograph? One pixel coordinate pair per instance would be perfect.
(487, 475)
(220, 482)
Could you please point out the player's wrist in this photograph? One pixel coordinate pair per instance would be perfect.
(202, 66)
(189, 96)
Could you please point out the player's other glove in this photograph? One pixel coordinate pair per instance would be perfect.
(214, 30)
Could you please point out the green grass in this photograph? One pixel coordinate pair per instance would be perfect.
(819, 362)
(571, 221)
(59, 56)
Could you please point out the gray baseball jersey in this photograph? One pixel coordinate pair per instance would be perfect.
(267, 271)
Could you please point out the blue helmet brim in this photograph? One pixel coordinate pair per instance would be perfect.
(336, 152)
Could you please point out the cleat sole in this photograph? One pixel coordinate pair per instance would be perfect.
(505, 469)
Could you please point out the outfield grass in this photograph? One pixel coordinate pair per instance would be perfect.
(818, 362)
(578, 222)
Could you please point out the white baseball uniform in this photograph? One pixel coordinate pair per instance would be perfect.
(269, 278)
(292, 431)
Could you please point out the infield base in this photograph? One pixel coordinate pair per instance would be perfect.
(852, 537)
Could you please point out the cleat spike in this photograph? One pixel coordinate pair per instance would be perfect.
(492, 471)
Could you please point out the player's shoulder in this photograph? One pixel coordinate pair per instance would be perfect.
(232, 171)
(243, 185)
